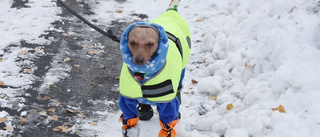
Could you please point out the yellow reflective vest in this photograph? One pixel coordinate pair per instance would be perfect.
(163, 86)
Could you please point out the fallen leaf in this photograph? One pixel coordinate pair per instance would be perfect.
(194, 81)
(33, 25)
(204, 59)
(77, 66)
(55, 104)
(27, 70)
(13, 28)
(5, 76)
(79, 0)
(119, 19)
(99, 44)
(119, 11)
(1, 21)
(117, 77)
(3, 119)
(100, 85)
(48, 86)
(214, 97)
(207, 65)
(43, 112)
(24, 52)
(85, 46)
(133, 11)
(94, 52)
(46, 98)
(9, 128)
(21, 121)
(203, 35)
(65, 34)
(102, 67)
(229, 106)
(91, 83)
(36, 49)
(280, 109)
(72, 111)
(52, 110)
(199, 20)
(61, 128)
(0, 60)
(1, 83)
(55, 118)
(66, 59)
(94, 123)
(80, 114)
(3, 95)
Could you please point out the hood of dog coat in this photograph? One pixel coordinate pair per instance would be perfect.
(157, 60)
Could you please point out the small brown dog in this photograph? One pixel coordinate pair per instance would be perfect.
(155, 56)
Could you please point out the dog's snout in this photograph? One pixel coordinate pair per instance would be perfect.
(139, 60)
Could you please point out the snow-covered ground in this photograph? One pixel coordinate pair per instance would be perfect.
(253, 55)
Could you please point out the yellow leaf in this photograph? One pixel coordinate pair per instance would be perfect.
(1, 83)
(27, 70)
(43, 112)
(118, 77)
(280, 109)
(79, 0)
(99, 44)
(203, 35)
(66, 59)
(3, 119)
(33, 25)
(214, 97)
(55, 118)
(229, 106)
(199, 20)
(100, 85)
(24, 52)
(72, 111)
(9, 128)
(2, 96)
(52, 110)
(94, 123)
(0, 60)
(91, 83)
(77, 66)
(85, 46)
(119, 11)
(80, 114)
(94, 52)
(21, 121)
(46, 98)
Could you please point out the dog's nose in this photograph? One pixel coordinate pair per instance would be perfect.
(139, 60)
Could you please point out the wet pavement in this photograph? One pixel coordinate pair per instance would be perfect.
(86, 65)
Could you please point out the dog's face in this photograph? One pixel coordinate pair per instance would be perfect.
(143, 43)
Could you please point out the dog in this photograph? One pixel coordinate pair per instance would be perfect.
(155, 55)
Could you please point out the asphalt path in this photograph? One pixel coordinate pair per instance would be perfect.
(92, 63)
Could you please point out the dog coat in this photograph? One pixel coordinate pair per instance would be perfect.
(163, 85)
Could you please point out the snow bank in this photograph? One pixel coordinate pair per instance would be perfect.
(262, 54)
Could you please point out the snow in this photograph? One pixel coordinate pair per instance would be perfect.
(253, 54)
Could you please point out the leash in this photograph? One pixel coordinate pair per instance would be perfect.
(109, 33)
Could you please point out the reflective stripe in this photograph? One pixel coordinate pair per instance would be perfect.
(158, 90)
(176, 41)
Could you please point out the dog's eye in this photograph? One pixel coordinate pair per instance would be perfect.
(132, 43)
(150, 44)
